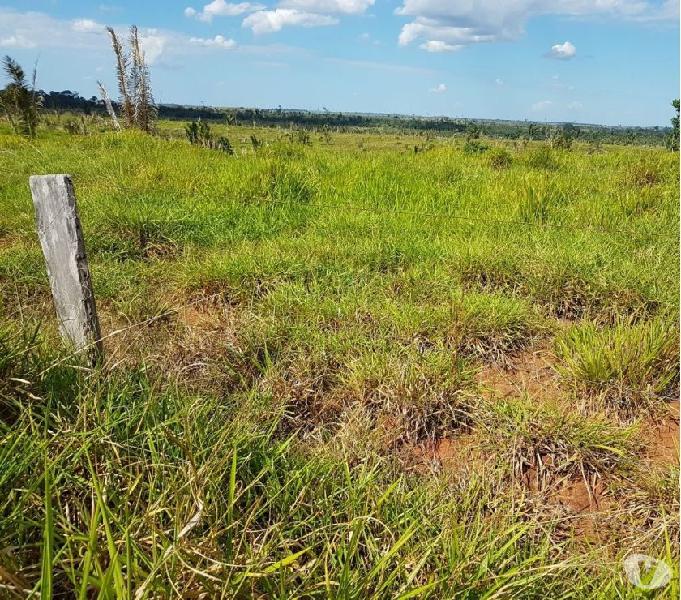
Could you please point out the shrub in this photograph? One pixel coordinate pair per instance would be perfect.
(542, 158)
(301, 136)
(473, 132)
(561, 138)
(673, 140)
(198, 133)
(474, 147)
(222, 143)
(499, 158)
(20, 103)
(644, 174)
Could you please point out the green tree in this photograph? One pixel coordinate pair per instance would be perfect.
(673, 143)
(19, 102)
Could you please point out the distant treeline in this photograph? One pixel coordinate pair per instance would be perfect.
(279, 117)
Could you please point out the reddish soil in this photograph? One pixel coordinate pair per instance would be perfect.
(663, 438)
(531, 372)
(578, 497)
(457, 455)
(584, 505)
(199, 318)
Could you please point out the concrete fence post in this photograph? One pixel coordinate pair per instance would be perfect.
(62, 243)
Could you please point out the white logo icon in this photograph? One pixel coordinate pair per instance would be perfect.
(657, 572)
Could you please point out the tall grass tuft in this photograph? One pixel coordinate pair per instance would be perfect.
(19, 102)
(628, 364)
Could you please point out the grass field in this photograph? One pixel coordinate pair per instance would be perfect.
(343, 370)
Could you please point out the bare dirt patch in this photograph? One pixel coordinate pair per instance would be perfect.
(531, 372)
(662, 444)
(195, 342)
(584, 506)
(457, 455)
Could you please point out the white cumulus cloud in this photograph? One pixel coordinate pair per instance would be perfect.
(269, 21)
(430, 29)
(303, 13)
(346, 7)
(221, 8)
(440, 88)
(465, 22)
(439, 46)
(564, 51)
(218, 41)
(161, 47)
(16, 41)
(153, 44)
(87, 26)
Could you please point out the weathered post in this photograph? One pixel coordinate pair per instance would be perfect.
(62, 242)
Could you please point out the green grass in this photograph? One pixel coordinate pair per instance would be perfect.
(626, 364)
(298, 327)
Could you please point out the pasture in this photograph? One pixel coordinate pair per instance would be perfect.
(343, 368)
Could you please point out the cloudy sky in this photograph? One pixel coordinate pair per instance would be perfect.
(603, 61)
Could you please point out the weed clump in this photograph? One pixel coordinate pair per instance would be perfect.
(631, 366)
(421, 394)
(499, 158)
(473, 147)
(555, 442)
(542, 158)
(645, 174)
(493, 327)
(540, 201)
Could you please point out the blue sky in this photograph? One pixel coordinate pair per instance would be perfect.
(598, 61)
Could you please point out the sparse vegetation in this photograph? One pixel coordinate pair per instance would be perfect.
(134, 82)
(323, 373)
(198, 133)
(19, 102)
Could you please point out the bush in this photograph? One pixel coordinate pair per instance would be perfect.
(301, 136)
(499, 158)
(474, 147)
(199, 134)
(542, 158)
(645, 174)
(561, 138)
